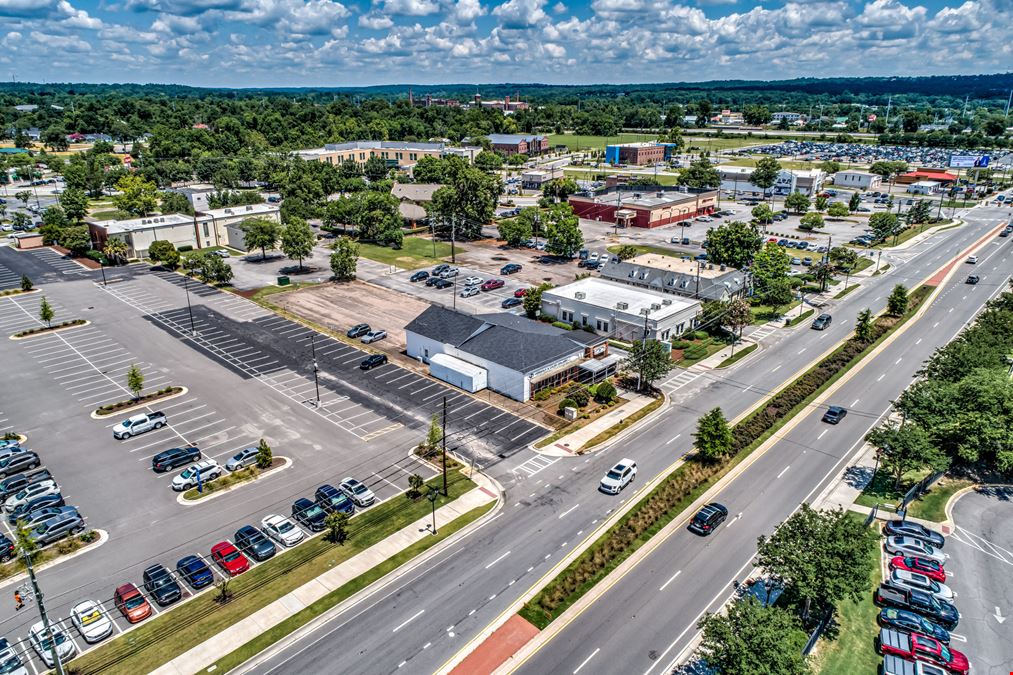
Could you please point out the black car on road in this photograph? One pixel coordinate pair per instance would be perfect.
(254, 543)
(834, 414)
(372, 361)
(708, 519)
(174, 457)
(161, 585)
(358, 330)
(972, 279)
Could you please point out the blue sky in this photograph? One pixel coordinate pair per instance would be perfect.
(246, 43)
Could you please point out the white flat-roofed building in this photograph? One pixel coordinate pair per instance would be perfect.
(620, 311)
(859, 180)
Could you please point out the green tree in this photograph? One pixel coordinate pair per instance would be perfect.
(883, 225)
(830, 166)
(700, 174)
(843, 258)
(562, 231)
(734, 244)
(46, 312)
(466, 202)
(820, 203)
(533, 299)
(904, 448)
(627, 252)
(751, 638)
(337, 527)
(649, 360)
(558, 189)
(738, 315)
(897, 302)
(921, 212)
(887, 168)
(26, 283)
(434, 435)
(713, 436)
(811, 221)
(163, 251)
(819, 557)
(765, 173)
(375, 168)
(415, 483)
(797, 202)
(489, 161)
(23, 196)
(514, 231)
(853, 203)
(25, 543)
(770, 275)
(837, 210)
(54, 217)
(76, 239)
(863, 326)
(262, 233)
(532, 217)
(762, 213)
(297, 240)
(135, 380)
(174, 202)
(344, 256)
(606, 392)
(74, 203)
(265, 456)
(115, 249)
(138, 197)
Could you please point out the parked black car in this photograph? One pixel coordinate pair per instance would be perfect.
(904, 528)
(511, 302)
(13, 484)
(421, 275)
(358, 330)
(372, 361)
(443, 283)
(161, 585)
(39, 502)
(939, 611)
(708, 518)
(510, 268)
(309, 514)
(333, 499)
(7, 549)
(254, 543)
(910, 622)
(433, 280)
(174, 457)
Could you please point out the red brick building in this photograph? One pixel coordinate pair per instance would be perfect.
(519, 144)
(641, 154)
(644, 209)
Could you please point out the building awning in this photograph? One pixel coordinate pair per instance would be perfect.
(598, 365)
(459, 365)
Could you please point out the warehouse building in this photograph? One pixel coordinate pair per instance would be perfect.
(654, 208)
(620, 311)
(507, 353)
(397, 154)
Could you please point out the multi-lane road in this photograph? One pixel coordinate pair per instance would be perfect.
(552, 504)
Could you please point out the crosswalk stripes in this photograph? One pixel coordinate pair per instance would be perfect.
(680, 380)
(532, 466)
(762, 332)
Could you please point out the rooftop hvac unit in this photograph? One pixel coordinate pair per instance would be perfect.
(710, 267)
(579, 295)
(666, 301)
(249, 208)
(144, 222)
(722, 268)
(622, 305)
(655, 307)
(229, 211)
(161, 220)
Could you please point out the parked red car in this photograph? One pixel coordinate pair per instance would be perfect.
(229, 558)
(133, 605)
(929, 568)
(521, 292)
(918, 647)
(492, 284)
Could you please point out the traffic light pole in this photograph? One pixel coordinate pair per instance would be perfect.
(42, 612)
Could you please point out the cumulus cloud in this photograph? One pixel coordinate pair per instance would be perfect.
(375, 21)
(408, 7)
(519, 14)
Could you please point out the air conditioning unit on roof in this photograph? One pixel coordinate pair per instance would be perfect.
(622, 305)
(579, 295)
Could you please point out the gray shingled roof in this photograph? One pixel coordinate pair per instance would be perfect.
(505, 339)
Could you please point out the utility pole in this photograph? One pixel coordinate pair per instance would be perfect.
(453, 235)
(316, 369)
(826, 265)
(1008, 101)
(189, 309)
(878, 256)
(42, 612)
(444, 444)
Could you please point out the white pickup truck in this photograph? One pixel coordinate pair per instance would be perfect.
(138, 424)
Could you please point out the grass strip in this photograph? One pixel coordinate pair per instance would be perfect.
(742, 353)
(692, 478)
(48, 554)
(844, 292)
(15, 291)
(801, 317)
(47, 329)
(141, 400)
(624, 424)
(298, 620)
(232, 479)
(158, 640)
(657, 250)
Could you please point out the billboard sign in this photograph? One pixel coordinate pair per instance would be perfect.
(968, 161)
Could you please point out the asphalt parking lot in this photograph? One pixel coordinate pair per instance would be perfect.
(980, 572)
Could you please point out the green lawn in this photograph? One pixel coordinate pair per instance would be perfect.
(845, 291)
(853, 651)
(108, 215)
(785, 163)
(929, 506)
(590, 173)
(745, 351)
(160, 639)
(764, 313)
(863, 263)
(415, 252)
(658, 250)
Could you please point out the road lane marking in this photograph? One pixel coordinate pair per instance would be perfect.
(822, 434)
(880, 377)
(670, 580)
(584, 663)
(855, 402)
(783, 470)
(497, 560)
(409, 620)
(568, 510)
(672, 439)
(775, 368)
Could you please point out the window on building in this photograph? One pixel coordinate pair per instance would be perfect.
(665, 334)
(583, 319)
(603, 326)
(566, 315)
(206, 233)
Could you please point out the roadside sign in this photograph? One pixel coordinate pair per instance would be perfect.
(968, 161)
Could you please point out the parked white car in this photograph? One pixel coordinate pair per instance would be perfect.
(469, 291)
(30, 492)
(10, 662)
(91, 621)
(473, 281)
(203, 471)
(373, 336)
(619, 476)
(38, 636)
(920, 582)
(357, 492)
(282, 530)
(914, 547)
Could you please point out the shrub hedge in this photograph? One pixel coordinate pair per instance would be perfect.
(44, 329)
(111, 408)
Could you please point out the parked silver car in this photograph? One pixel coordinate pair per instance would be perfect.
(243, 458)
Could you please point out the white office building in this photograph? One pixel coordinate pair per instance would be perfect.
(858, 180)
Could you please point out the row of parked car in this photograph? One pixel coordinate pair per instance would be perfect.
(32, 500)
(200, 470)
(165, 587)
(917, 612)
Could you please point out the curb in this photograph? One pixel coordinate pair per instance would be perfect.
(103, 537)
(59, 329)
(96, 416)
(584, 450)
(948, 509)
(20, 293)
(183, 501)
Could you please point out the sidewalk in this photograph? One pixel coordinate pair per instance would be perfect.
(571, 443)
(235, 636)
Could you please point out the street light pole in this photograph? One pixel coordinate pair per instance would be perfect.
(316, 369)
(189, 308)
(42, 612)
(102, 267)
(432, 496)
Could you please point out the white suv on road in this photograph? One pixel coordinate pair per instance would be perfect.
(618, 477)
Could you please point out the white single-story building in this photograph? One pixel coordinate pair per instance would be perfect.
(534, 179)
(677, 276)
(859, 180)
(924, 187)
(807, 181)
(510, 354)
(617, 310)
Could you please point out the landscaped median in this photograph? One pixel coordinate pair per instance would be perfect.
(41, 330)
(51, 554)
(233, 480)
(693, 477)
(139, 402)
(202, 629)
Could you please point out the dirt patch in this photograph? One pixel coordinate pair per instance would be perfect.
(341, 306)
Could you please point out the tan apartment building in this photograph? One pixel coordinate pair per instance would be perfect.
(397, 154)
